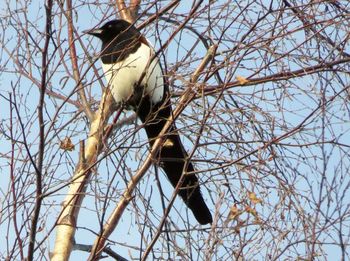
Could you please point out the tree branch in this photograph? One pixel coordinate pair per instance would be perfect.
(38, 196)
(73, 57)
(68, 218)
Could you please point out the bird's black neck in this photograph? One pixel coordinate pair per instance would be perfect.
(119, 47)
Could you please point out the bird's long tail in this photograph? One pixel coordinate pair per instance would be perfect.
(173, 159)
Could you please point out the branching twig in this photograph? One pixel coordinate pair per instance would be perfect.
(117, 213)
(124, 11)
(73, 57)
(68, 218)
(38, 198)
(107, 250)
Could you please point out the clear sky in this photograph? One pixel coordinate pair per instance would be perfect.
(302, 182)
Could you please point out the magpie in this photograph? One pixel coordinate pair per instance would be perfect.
(135, 78)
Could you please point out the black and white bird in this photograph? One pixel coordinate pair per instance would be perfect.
(135, 77)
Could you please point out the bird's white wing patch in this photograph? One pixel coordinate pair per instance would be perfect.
(123, 76)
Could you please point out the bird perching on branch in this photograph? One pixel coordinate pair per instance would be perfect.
(135, 78)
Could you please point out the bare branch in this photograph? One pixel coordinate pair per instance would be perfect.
(73, 56)
(39, 172)
(124, 11)
(68, 218)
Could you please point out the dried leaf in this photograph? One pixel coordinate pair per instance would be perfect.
(234, 212)
(67, 144)
(253, 198)
(251, 210)
(241, 79)
(168, 143)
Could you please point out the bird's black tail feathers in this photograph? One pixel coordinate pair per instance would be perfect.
(172, 158)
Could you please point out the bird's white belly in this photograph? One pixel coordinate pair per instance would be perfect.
(123, 76)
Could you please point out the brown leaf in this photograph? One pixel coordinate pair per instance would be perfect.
(234, 212)
(253, 198)
(251, 210)
(257, 220)
(241, 79)
(67, 144)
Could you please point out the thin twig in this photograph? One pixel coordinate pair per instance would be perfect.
(73, 57)
(38, 198)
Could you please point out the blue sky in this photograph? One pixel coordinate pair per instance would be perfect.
(310, 167)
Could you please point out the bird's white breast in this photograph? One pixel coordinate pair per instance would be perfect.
(123, 76)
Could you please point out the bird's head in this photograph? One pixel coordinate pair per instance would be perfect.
(114, 29)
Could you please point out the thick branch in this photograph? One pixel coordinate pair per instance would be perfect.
(124, 11)
(71, 206)
(134, 7)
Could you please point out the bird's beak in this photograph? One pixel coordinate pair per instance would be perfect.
(95, 32)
